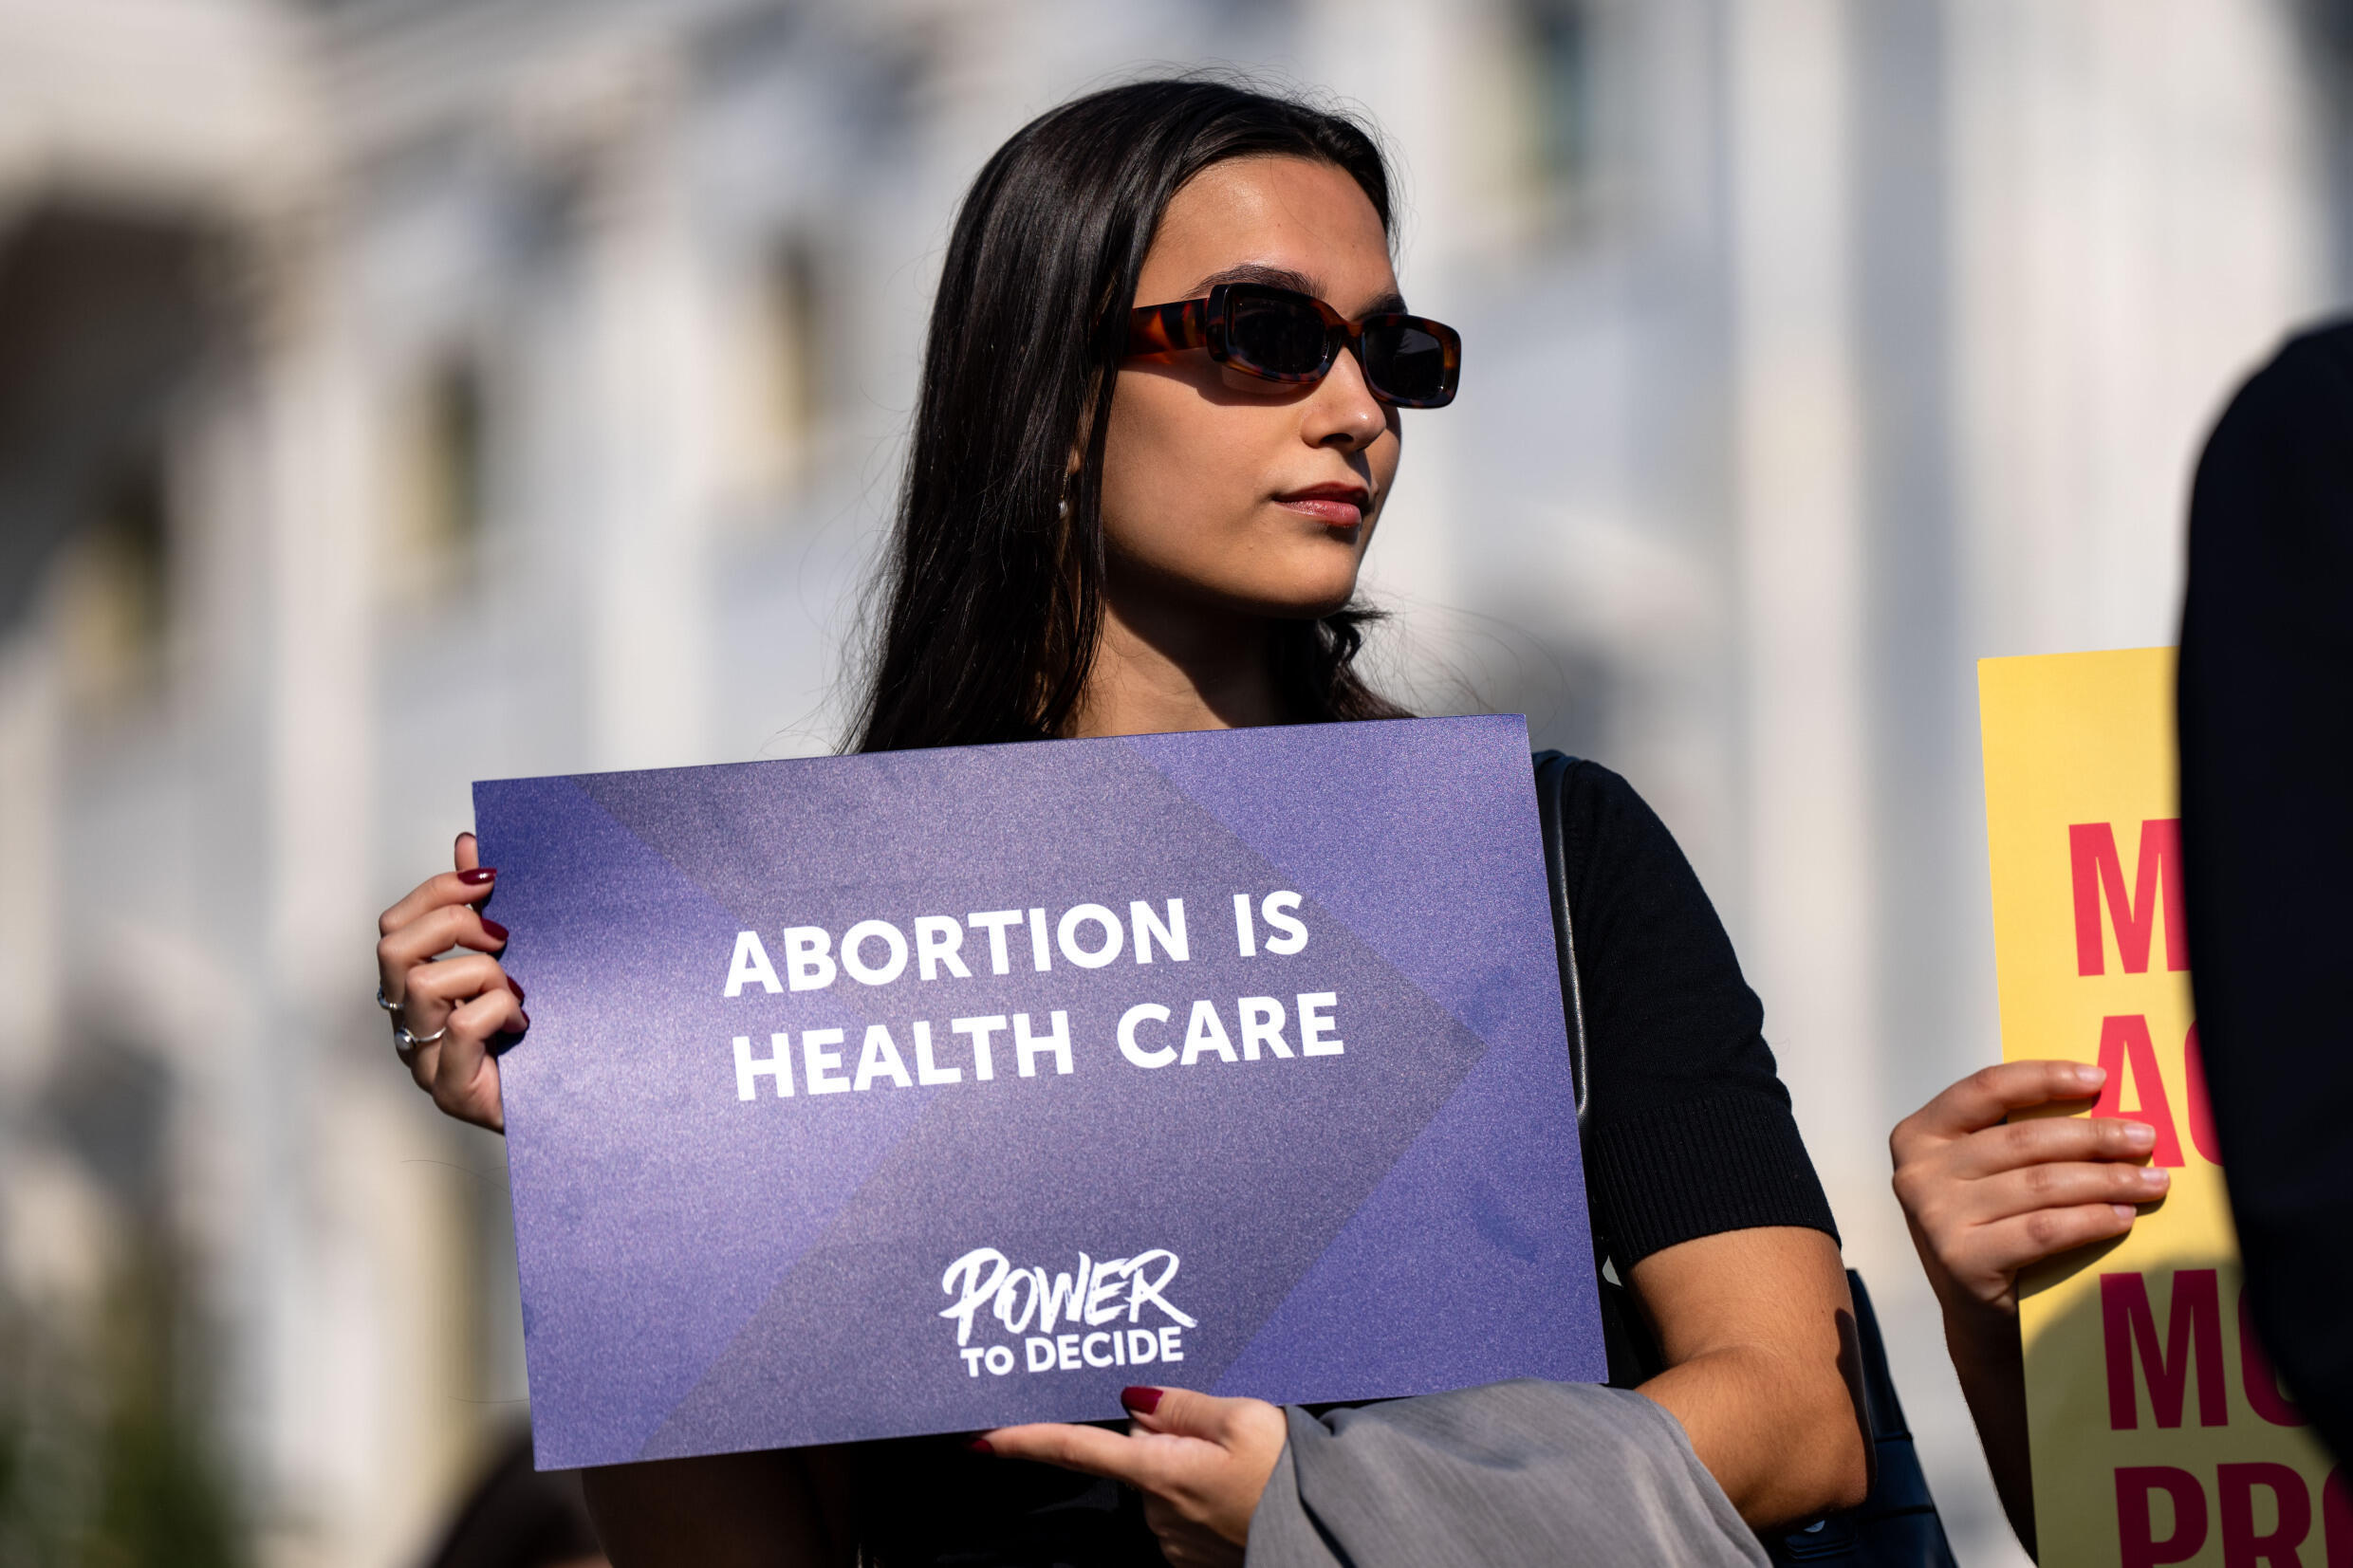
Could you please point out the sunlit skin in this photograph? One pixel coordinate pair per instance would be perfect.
(1229, 505)
(1229, 502)
(1986, 1197)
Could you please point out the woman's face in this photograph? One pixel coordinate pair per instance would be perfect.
(1231, 493)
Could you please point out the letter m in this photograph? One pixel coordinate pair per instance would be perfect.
(2099, 871)
(2193, 1334)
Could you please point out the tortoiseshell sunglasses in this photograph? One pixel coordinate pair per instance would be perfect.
(1281, 335)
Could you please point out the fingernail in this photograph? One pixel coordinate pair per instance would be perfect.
(523, 1017)
(2088, 1074)
(2155, 1175)
(1142, 1401)
(516, 986)
(498, 933)
(478, 876)
(2126, 1211)
(2138, 1134)
(980, 1445)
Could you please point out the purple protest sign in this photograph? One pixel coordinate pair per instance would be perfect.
(933, 1091)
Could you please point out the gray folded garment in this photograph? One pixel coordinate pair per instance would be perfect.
(1511, 1473)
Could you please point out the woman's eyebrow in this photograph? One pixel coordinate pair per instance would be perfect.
(1297, 282)
(1258, 272)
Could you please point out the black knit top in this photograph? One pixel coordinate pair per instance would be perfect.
(1690, 1132)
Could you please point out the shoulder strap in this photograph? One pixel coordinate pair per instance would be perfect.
(1552, 770)
(1633, 1356)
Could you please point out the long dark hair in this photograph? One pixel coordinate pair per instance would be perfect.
(991, 597)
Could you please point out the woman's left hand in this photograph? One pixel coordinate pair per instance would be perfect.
(1200, 1462)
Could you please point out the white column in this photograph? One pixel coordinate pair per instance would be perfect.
(233, 1094)
(339, 1270)
(1806, 936)
(2139, 214)
(645, 435)
(1399, 63)
(308, 702)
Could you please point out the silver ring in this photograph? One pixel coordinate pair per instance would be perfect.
(405, 1041)
(392, 1007)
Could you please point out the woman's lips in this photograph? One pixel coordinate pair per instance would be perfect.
(1334, 511)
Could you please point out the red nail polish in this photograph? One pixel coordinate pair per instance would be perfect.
(980, 1445)
(478, 876)
(523, 1017)
(1142, 1401)
(498, 933)
(516, 986)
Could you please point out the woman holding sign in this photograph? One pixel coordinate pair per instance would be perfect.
(1161, 411)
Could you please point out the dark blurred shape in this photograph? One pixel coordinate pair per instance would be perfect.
(1556, 52)
(458, 477)
(113, 1101)
(797, 298)
(106, 1452)
(102, 315)
(521, 1518)
(118, 589)
(2327, 37)
(163, 1496)
(983, 1512)
(2333, 20)
(2267, 810)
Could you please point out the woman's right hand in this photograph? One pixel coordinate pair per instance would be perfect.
(1986, 1196)
(467, 995)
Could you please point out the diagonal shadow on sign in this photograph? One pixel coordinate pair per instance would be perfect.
(638, 1263)
(1495, 1177)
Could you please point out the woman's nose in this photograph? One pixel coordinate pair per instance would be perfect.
(1344, 411)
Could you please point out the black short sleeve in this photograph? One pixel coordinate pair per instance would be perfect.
(1690, 1132)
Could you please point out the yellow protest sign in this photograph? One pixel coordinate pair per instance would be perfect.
(2160, 1432)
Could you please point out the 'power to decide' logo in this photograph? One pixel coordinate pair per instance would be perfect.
(1115, 1291)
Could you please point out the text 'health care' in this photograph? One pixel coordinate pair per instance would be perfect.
(1086, 936)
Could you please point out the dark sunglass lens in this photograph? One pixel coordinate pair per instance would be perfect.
(1275, 337)
(1405, 361)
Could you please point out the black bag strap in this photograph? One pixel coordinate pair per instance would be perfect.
(1553, 768)
(1633, 1356)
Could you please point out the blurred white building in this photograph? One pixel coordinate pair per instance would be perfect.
(396, 393)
